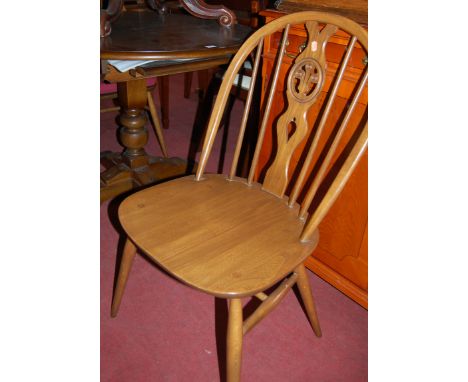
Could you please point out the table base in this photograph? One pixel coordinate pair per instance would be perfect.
(118, 177)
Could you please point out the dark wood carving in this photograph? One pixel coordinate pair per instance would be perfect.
(199, 8)
(158, 6)
(115, 7)
(108, 15)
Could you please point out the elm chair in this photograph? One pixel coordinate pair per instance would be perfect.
(236, 238)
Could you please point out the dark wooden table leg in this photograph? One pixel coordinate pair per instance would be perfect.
(134, 167)
(199, 8)
(133, 134)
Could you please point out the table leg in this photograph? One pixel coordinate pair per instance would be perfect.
(133, 134)
(199, 8)
(134, 167)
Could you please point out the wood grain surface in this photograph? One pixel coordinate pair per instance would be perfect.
(223, 237)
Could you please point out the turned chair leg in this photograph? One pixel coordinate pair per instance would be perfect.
(234, 340)
(125, 267)
(307, 298)
(157, 125)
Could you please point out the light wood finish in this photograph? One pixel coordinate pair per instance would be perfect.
(227, 229)
(261, 296)
(234, 341)
(269, 303)
(268, 105)
(124, 270)
(341, 256)
(277, 177)
(306, 294)
(336, 187)
(245, 116)
(235, 237)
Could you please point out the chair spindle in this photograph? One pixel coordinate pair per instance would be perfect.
(302, 175)
(321, 173)
(245, 116)
(268, 105)
(337, 185)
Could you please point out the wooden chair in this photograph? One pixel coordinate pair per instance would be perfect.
(111, 93)
(232, 237)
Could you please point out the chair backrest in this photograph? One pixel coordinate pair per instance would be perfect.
(316, 85)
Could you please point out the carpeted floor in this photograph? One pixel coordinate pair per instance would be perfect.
(166, 331)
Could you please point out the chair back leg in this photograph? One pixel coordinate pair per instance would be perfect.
(307, 298)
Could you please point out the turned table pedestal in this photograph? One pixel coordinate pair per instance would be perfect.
(176, 43)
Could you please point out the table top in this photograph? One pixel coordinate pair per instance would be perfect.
(149, 36)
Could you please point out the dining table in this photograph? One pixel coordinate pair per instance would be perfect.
(151, 44)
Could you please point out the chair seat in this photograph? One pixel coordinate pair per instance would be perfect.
(223, 237)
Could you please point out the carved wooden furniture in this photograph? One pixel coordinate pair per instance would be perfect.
(246, 11)
(197, 8)
(150, 107)
(234, 237)
(167, 40)
(341, 257)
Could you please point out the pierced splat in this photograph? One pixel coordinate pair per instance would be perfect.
(305, 81)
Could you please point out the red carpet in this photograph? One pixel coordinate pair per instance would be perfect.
(166, 331)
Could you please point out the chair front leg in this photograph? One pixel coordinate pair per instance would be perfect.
(307, 298)
(234, 340)
(125, 267)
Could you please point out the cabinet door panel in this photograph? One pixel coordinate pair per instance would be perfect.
(342, 231)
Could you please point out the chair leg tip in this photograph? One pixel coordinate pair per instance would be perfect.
(114, 312)
(318, 332)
